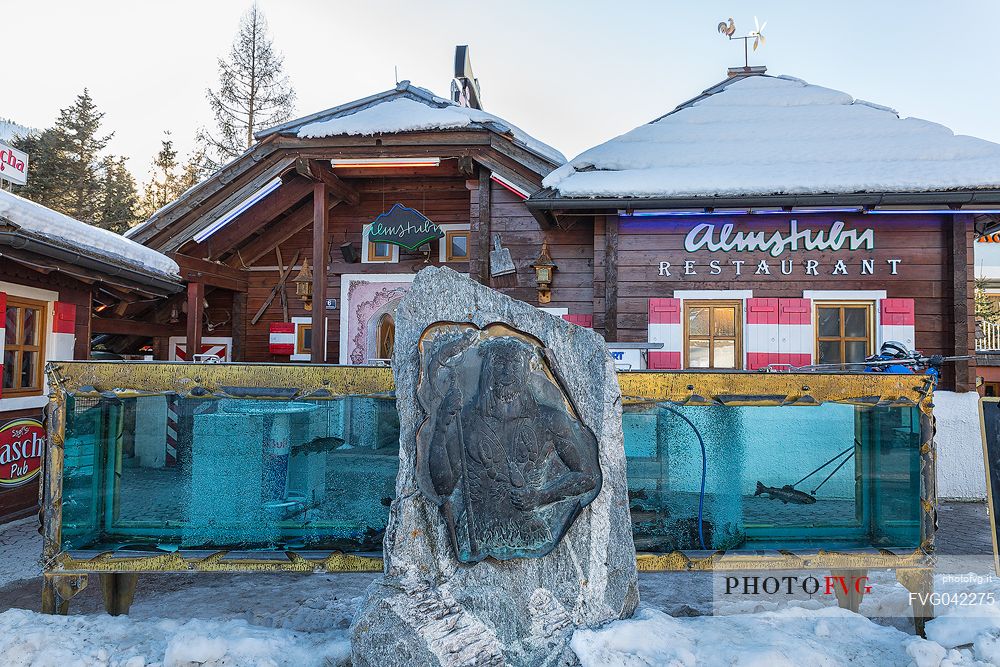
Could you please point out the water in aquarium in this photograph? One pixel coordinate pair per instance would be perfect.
(762, 477)
(162, 472)
(197, 473)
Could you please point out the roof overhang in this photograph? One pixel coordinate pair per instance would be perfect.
(17, 243)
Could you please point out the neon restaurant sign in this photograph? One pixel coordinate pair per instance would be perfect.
(712, 238)
(405, 227)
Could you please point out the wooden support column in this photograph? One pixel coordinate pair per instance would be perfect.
(239, 325)
(611, 278)
(963, 294)
(483, 235)
(321, 216)
(195, 300)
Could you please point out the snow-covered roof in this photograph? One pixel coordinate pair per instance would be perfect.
(407, 108)
(765, 135)
(54, 227)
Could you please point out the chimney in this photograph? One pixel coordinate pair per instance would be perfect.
(756, 70)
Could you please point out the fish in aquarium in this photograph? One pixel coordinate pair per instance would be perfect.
(786, 494)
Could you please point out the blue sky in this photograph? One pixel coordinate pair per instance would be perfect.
(571, 73)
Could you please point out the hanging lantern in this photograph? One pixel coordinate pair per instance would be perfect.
(303, 284)
(544, 267)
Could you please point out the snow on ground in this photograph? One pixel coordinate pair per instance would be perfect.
(20, 550)
(49, 225)
(758, 134)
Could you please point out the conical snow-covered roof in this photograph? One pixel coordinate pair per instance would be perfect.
(766, 135)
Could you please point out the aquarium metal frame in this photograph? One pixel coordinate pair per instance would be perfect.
(990, 500)
(124, 379)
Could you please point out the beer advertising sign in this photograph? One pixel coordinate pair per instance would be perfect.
(22, 443)
(13, 165)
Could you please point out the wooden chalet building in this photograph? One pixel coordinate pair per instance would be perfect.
(770, 221)
(56, 275)
(308, 193)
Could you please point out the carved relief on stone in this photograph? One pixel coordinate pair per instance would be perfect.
(501, 451)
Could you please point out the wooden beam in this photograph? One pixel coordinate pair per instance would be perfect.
(119, 327)
(611, 278)
(274, 290)
(321, 217)
(483, 228)
(194, 269)
(322, 172)
(258, 216)
(275, 235)
(239, 325)
(195, 313)
(962, 295)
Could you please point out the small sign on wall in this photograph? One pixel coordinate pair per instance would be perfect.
(331, 304)
(22, 443)
(405, 227)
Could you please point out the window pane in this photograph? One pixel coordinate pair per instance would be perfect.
(698, 321)
(30, 336)
(725, 354)
(459, 245)
(829, 322)
(698, 354)
(829, 352)
(856, 350)
(307, 339)
(28, 368)
(382, 250)
(10, 326)
(8, 369)
(724, 322)
(855, 322)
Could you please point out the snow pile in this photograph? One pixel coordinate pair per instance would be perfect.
(788, 638)
(63, 230)
(763, 135)
(30, 639)
(403, 114)
(21, 549)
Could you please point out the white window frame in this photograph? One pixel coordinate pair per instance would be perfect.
(49, 297)
(873, 296)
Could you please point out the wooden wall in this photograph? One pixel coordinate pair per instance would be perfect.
(927, 247)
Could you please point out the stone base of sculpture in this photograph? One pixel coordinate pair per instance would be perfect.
(510, 527)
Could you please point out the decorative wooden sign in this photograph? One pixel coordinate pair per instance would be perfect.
(989, 422)
(405, 227)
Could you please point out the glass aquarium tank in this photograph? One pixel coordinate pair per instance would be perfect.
(832, 476)
(163, 466)
(162, 473)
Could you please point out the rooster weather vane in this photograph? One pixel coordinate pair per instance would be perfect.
(757, 35)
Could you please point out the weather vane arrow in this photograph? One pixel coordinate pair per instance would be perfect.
(757, 35)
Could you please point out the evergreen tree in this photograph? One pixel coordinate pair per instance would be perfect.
(43, 166)
(119, 196)
(253, 92)
(80, 146)
(987, 309)
(163, 185)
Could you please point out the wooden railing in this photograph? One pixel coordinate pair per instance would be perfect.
(988, 336)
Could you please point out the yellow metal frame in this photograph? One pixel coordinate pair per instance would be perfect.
(990, 500)
(125, 379)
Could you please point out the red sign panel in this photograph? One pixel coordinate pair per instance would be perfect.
(22, 443)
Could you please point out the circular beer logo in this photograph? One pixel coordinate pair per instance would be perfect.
(21, 444)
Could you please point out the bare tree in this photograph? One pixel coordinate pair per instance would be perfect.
(253, 94)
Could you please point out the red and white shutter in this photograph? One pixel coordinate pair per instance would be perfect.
(586, 321)
(762, 333)
(220, 346)
(282, 340)
(896, 321)
(63, 330)
(796, 340)
(3, 331)
(665, 327)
